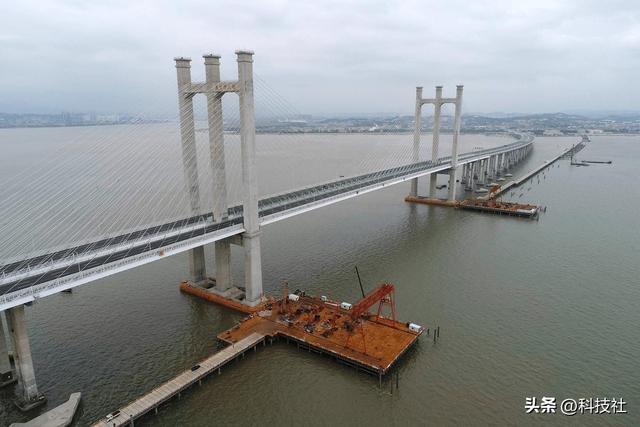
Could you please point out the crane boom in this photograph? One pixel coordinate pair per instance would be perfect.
(376, 295)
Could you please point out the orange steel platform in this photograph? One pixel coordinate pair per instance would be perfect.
(431, 201)
(369, 342)
(233, 304)
(489, 205)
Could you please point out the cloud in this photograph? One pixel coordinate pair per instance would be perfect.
(324, 56)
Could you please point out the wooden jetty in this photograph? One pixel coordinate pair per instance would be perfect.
(150, 401)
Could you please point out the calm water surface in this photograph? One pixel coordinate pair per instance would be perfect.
(526, 308)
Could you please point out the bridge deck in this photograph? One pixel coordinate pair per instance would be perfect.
(23, 281)
(517, 182)
(169, 389)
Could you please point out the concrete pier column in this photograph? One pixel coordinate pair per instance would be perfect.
(187, 132)
(190, 159)
(433, 179)
(474, 173)
(197, 265)
(454, 151)
(251, 238)
(216, 138)
(28, 396)
(223, 264)
(491, 168)
(252, 267)
(222, 252)
(7, 376)
(487, 165)
(485, 172)
(416, 137)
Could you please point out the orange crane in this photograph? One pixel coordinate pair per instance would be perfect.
(494, 190)
(383, 294)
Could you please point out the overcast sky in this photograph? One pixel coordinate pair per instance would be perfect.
(325, 56)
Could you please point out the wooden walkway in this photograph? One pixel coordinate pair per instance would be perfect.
(517, 182)
(169, 389)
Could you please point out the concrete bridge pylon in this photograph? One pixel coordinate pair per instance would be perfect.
(437, 102)
(214, 89)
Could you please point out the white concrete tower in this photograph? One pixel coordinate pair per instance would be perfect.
(216, 137)
(27, 392)
(433, 180)
(190, 159)
(454, 151)
(251, 237)
(217, 157)
(416, 137)
(7, 376)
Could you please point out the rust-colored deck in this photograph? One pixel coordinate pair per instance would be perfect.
(371, 343)
(490, 205)
(431, 201)
(233, 304)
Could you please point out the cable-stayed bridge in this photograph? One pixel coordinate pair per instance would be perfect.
(29, 278)
(23, 281)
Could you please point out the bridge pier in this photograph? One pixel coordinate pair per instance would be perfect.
(251, 238)
(222, 255)
(7, 375)
(197, 265)
(214, 89)
(453, 176)
(252, 268)
(222, 252)
(473, 175)
(468, 176)
(485, 172)
(438, 101)
(433, 179)
(216, 138)
(494, 169)
(417, 126)
(27, 396)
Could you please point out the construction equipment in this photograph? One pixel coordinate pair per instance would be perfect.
(494, 190)
(360, 281)
(383, 294)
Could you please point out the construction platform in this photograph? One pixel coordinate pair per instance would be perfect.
(489, 205)
(499, 207)
(370, 342)
(347, 332)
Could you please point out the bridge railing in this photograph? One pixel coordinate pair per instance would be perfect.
(274, 204)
